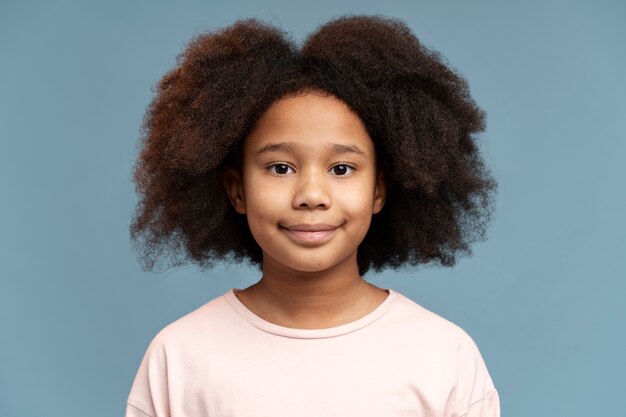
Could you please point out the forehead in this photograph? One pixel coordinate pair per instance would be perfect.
(309, 120)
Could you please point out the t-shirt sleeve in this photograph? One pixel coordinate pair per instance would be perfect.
(475, 393)
(148, 396)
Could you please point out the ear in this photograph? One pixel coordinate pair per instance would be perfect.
(380, 193)
(233, 183)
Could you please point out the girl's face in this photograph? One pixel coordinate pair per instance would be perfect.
(308, 185)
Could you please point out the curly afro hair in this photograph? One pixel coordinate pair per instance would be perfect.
(416, 109)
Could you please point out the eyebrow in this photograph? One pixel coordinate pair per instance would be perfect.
(275, 147)
(288, 147)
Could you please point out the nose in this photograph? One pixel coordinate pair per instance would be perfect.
(311, 192)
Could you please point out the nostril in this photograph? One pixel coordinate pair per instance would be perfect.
(306, 205)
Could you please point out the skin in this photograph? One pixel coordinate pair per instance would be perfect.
(309, 187)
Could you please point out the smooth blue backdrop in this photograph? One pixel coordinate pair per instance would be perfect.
(542, 296)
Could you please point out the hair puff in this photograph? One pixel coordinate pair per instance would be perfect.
(417, 110)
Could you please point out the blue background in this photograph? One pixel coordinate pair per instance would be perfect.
(542, 296)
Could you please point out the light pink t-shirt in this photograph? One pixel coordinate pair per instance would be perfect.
(399, 360)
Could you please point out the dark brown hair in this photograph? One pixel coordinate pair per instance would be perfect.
(416, 109)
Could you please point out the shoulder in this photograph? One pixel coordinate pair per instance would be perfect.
(421, 328)
(453, 346)
(169, 355)
(204, 322)
(418, 320)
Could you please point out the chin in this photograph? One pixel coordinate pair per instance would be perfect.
(310, 266)
(307, 267)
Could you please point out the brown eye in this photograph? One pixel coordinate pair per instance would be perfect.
(280, 169)
(341, 169)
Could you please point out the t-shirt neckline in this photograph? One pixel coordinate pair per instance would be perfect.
(295, 333)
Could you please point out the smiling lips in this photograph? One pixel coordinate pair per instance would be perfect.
(310, 233)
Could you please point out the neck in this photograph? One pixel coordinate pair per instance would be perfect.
(312, 300)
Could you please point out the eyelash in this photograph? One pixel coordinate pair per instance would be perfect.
(349, 166)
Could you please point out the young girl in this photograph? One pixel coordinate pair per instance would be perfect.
(355, 151)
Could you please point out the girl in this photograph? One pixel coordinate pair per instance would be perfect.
(355, 151)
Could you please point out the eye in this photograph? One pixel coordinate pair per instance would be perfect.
(280, 169)
(342, 169)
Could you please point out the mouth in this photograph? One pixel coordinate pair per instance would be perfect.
(310, 233)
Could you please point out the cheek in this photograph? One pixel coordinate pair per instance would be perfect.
(358, 215)
(259, 192)
(263, 207)
(355, 200)
(265, 201)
